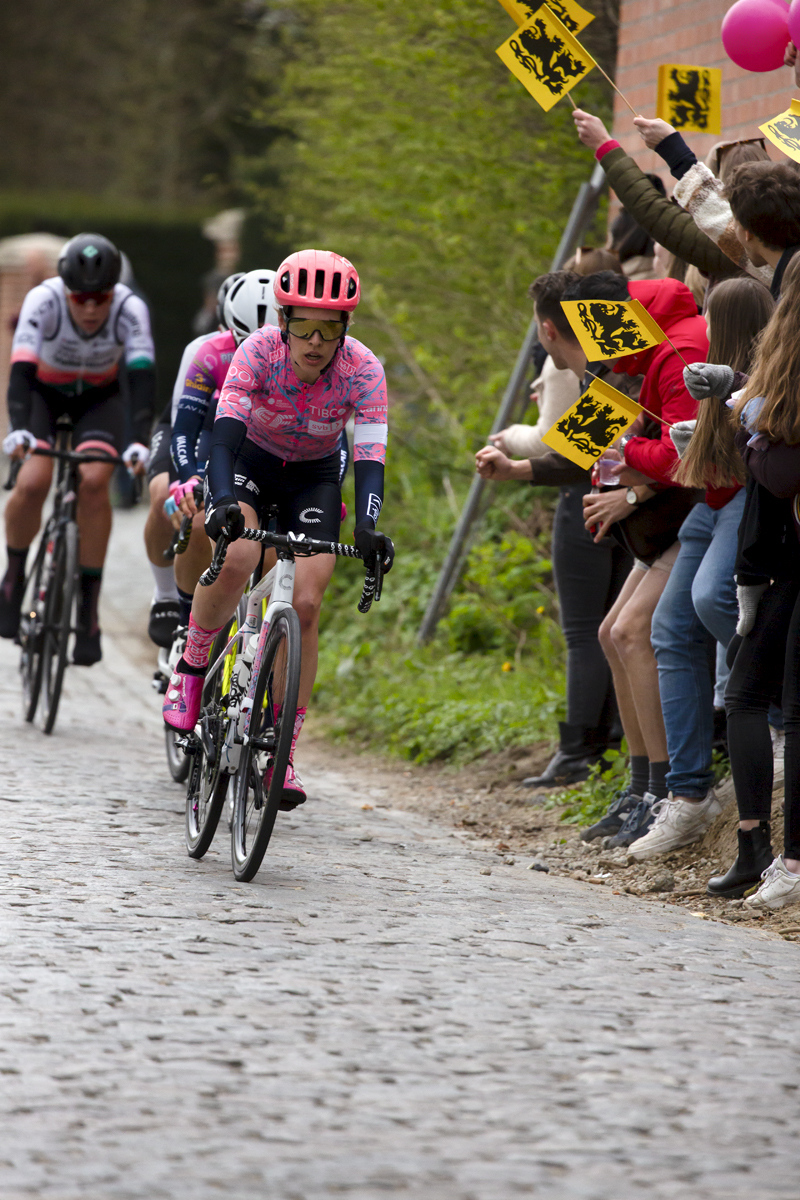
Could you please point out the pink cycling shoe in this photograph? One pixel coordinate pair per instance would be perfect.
(293, 791)
(182, 702)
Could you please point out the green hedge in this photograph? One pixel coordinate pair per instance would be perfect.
(168, 252)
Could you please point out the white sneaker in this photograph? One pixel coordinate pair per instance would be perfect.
(778, 889)
(677, 823)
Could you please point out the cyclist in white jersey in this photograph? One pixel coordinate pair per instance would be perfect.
(73, 332)
(165, 610)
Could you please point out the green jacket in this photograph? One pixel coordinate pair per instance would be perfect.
(667, 223)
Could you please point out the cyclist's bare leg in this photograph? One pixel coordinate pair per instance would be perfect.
(214, 605)
(24, 507)
(311, 581)
(158, 527)
(190, 565)
(94, 513)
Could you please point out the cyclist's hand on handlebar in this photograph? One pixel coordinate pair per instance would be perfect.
(136, 458)
(227, 518)
(371, 545)
(183, 494)
(19, 443)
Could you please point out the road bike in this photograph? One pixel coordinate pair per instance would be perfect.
(48, 613)
(241, 745)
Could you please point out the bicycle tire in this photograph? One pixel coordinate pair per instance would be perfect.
(177, 760)
(207, 785)
(31, 626)
(59, 607)
(254, 812)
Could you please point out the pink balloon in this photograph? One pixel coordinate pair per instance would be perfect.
(794, 21)
(755, 34)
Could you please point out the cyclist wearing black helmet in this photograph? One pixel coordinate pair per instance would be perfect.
(73, 332)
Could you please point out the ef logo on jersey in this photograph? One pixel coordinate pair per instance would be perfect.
(309, 520)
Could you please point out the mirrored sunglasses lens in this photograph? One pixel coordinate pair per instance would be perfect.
(328, 330)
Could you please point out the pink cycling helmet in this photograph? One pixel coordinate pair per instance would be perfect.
(317, 279)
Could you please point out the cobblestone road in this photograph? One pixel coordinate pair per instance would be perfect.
(373, 1016)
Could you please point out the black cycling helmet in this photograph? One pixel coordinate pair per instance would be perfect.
(90, 263)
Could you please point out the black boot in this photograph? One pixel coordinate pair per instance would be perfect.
(755, 855)
(576, 754)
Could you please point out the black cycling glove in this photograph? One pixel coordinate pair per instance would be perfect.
(371, 544)
(225, 517)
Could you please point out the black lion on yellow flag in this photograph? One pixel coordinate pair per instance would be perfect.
(611, 326)
(785, 131)
(547, 57)
(689, 97)
(592, 425)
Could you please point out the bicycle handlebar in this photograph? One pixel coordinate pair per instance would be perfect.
(181, 537)
(66, 455)
(303, 547)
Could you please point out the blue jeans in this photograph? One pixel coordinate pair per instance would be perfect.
(697, 608)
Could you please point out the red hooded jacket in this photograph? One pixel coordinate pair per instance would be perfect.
(672, 305)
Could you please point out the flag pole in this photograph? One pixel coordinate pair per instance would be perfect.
(616, 89)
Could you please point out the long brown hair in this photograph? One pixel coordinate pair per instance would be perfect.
(738, 310)
(776, 369)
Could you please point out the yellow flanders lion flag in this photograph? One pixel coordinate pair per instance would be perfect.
(573, 16)
(612, 328)
(595, 421)
(784, 131)
(546, 58)
(690, 98)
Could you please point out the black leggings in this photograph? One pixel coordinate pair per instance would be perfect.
(767, 669)
(588, 579)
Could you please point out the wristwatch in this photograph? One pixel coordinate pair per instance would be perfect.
(631, 496)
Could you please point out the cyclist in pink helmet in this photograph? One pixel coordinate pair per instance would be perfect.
(288, 394)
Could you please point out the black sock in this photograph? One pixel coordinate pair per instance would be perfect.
(91, 578)
(657, 783)
(639, 774)
(183, 668)
(185, 604)
(15, 571)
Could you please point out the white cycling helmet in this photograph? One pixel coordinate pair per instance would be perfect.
(222, 292)
(249, 304)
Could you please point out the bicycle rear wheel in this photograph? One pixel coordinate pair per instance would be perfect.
(31, 625)
(266, 755)
(59, 606)
(208, 784)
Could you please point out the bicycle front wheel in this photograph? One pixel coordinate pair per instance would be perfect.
(59, 607)
(258, 783)
(177, 760)
(31, 625)
(208, 784)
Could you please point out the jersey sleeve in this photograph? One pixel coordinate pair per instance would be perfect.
(371, 406)
(38, 319)
(133, 330)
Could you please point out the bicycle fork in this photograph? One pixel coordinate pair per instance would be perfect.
(279, 583)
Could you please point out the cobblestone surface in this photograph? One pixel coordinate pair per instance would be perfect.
(374, 1015)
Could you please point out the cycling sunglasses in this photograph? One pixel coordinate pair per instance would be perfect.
(85, 297)
(305, 327)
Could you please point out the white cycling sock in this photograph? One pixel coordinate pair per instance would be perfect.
(166, 588)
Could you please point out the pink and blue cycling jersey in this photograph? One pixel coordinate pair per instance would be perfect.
(298, 421)
(202, 382)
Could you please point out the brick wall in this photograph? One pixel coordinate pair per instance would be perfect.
(662, 31)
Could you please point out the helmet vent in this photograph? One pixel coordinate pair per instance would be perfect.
(262, 314)
(286, 280)
(302, 281)
(336, 286)
(319, 285)
(351, 288)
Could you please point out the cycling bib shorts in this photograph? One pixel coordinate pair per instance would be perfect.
(97, 416)
(307, 494)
